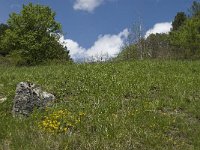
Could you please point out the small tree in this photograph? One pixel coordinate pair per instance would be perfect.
(187, 38)
(32, 36)
(179, 20)
(134, 45)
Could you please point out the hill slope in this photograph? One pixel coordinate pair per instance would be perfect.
(127, 105)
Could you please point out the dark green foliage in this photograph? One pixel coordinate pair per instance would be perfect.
(179, 19)
(32, 38)
(195, 9)
(3, 28)
(187, 39)
(185, 35)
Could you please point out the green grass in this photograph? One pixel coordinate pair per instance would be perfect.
(127, 105)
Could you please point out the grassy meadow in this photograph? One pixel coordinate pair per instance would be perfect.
(122, 105)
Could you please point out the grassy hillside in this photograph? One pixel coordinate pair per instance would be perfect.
(127, 105)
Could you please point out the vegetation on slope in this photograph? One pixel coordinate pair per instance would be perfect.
(127, 105)
(182, 42)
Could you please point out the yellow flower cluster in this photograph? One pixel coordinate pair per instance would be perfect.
(60, 121)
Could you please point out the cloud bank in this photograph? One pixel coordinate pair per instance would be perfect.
(163, 27)
(87, 5)
(105, 46)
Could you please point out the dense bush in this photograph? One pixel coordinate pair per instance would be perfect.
(32, 36)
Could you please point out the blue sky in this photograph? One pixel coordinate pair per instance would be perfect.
(93, 27)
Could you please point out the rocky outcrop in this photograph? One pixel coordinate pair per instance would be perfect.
(29, 96)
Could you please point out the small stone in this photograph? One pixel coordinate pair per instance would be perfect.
(29, 96)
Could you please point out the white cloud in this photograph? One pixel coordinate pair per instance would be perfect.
(87, 5)
(108, 44)
(76, 51)
(163, 27)
(105, 46)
